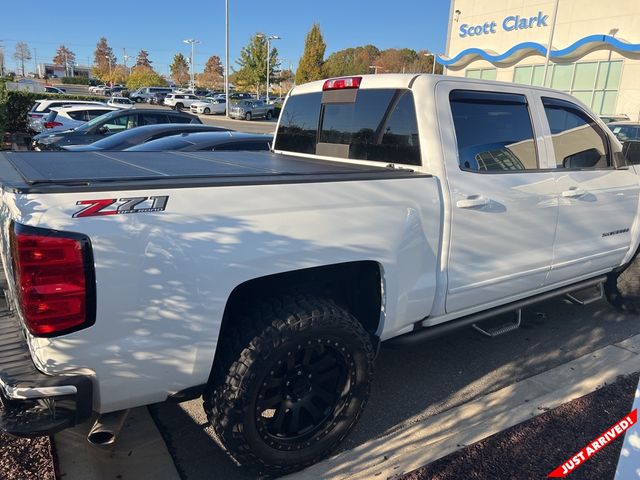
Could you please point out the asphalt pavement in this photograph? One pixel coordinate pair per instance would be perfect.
(416, 383)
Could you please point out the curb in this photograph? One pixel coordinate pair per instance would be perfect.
(428, 440)
(140, 452)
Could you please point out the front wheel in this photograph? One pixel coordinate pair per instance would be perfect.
(297, 387)
(623, 287)
(247, 116)
(207, 111)
(179, 107)
(269, 115)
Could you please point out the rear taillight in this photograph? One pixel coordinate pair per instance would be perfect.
(54, 279)
(52, 124)
(342, 83)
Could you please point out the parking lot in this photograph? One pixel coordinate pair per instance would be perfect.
(417, 383)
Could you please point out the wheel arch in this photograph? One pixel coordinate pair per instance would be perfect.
(356, 286)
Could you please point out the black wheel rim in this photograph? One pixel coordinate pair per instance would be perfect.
(304, 393)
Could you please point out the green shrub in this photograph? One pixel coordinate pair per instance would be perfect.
(15, 105)
(75, 80)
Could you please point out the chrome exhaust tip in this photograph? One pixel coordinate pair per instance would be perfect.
(107, 427)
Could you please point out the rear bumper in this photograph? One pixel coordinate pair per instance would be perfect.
(35, 404)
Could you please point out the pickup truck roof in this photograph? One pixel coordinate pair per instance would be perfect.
(31, 172)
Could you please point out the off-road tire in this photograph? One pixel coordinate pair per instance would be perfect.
(623, 287)
(261, 339)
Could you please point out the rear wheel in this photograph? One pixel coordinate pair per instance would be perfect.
(294, 385)
(179, 106)
(269, 115)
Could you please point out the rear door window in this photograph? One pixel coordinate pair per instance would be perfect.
(80, 115)
(493, 131)
(299, 123)
(152, 118)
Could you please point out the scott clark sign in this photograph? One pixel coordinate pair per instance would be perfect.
(508, 24)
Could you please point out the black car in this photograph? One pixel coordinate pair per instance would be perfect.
(141, 135)
(108, 124)
(207, 141)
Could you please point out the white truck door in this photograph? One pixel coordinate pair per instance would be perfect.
(503, 199)
(598, 202)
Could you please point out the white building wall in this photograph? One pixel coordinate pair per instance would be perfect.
(576, 20)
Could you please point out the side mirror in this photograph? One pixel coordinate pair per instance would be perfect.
(585, 159)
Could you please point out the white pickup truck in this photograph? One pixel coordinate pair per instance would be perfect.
(392, 208)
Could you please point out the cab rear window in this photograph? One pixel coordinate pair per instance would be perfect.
(380, 125)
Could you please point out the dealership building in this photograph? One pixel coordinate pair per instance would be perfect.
(595, 51)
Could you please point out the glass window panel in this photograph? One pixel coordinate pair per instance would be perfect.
(562, 76)
(577, 140)
(585, 75)
(489, 74)
(613, 80)
(472, 73)
(522, 75)
(538, 74)
(493, 131)
(584, 97)
(609, 102)
(596, 106)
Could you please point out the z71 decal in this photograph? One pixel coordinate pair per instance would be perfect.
(115, 206)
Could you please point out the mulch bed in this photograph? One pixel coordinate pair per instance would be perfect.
(534, 448)
(25, 458)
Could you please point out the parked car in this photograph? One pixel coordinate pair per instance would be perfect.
(108, 124)
(118, 91)
(393, 208)
(50, 89)
(625, 131)
(141, 135)
(120, 102)
(240, 96)
(209, 105)
(251, 109)
(156, 98)
(614, 118)
(143, 94)
(206, 142)
(178, 101)
(43, 106)
(93, 88)
(102, 90)
(65, 118)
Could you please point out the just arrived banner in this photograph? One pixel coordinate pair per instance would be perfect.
(508, 24)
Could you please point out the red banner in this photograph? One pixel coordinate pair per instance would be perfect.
(595, 446)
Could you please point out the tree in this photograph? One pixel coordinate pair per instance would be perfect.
(104, 60)
(119, 74)
(64, 57)
(142, 76)
(351, 61)
(311, 64)
(253, 63)
(22, 54)
(179, 69)
(213, 75)
(143, 59)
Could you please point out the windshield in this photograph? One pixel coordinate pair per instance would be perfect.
(87, 126)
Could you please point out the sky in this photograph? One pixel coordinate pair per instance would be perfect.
(161, 26)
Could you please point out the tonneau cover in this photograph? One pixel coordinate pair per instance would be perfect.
(50, 172)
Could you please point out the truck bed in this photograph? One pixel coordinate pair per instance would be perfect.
(56, 172)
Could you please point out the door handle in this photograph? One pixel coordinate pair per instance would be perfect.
(573, 193)
(473, 201)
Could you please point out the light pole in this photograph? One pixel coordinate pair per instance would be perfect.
(226, 59)
(269, 38)
(108, 57)
(551, 33)
(192, 42)
(433, 67)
